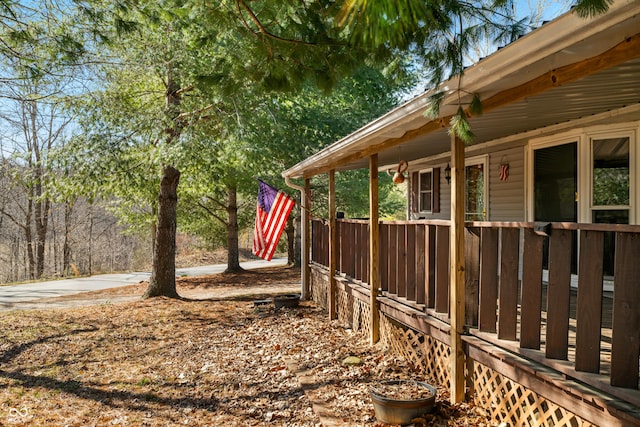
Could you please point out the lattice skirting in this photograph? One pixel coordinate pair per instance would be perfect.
(320, 288)
(504, 400)
(345, 307)
(507, 401)
(426, 353)
(361, 317)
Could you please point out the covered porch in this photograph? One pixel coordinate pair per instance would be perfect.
(535, 318)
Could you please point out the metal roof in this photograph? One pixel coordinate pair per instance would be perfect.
(564, 41)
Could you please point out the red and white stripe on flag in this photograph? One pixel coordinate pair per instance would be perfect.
(271, 218)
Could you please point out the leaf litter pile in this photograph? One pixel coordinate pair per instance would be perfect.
(219, 361)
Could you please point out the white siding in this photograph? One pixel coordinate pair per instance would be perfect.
(507, 198)
(445, 197)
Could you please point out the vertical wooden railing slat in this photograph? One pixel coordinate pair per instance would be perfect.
(367, 253)
(472, 275)
(558, 294)
(384, 257)
(531, 305)
(487, 316)
(420, 277)
(353, 250)
(321, 245)
(625, 341)
(364, 252)
(340, 247)
(326, 242)
(314, 239)
(411, 262)
(442, 269)
(589, 309)
(430, 265)
(401, 276)
(393, 258)
(508, 286)
(348, 249)
(356, 251)
(343, 230)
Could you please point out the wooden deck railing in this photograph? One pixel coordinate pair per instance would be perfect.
(519, 292)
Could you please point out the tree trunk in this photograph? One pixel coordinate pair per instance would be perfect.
(15, 259)
(233, 252)
(163, 273)
(42, 224)
(66, 245)
(90, 240)
(290, 230)
(28, 234)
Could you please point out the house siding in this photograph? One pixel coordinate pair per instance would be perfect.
(507, 198)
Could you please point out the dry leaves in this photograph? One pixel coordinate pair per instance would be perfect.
(402, 390)
(208, 363)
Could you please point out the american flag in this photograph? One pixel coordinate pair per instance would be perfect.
(272, 213)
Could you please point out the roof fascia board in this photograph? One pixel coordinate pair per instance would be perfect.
(553, 37)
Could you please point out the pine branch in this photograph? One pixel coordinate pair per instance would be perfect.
(263, 30)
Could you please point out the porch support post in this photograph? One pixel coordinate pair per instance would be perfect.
(374, 244)
(306, 240)
(456, 259)
(333, 245)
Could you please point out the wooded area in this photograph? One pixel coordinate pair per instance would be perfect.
(157, 116)
(87, 139)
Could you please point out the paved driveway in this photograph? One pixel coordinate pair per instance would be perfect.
(33, 291)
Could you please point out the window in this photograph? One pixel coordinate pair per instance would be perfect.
(610, 172)
(475, 190)
(426, 191)
(610, 195)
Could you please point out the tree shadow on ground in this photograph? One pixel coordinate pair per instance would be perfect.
(15, 350)
(113, 398)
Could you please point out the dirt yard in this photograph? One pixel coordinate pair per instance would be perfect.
(214, 359)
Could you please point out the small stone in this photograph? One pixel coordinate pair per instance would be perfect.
(352, 360)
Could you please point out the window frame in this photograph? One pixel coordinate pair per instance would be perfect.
(474, 161)
(432, 191)
(592, 137)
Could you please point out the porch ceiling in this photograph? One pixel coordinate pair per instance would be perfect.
(567, 40)
(609, 90)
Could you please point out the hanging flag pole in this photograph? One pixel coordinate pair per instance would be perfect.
(272, 211)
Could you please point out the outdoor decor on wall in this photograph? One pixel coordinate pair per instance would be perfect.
(504, 169)
(398, 176)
